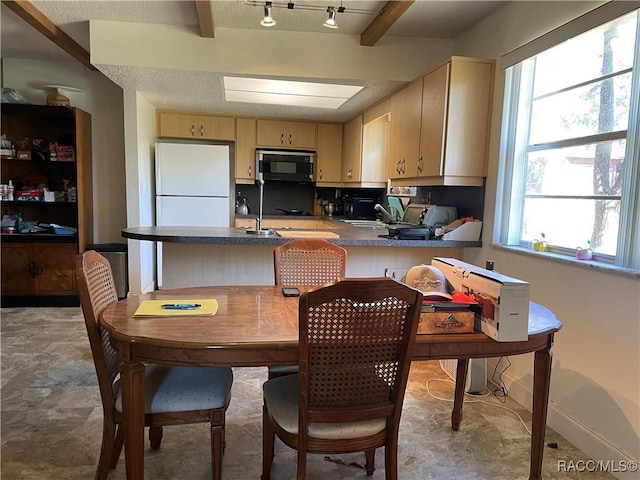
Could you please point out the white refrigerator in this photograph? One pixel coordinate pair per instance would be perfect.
(192, 187)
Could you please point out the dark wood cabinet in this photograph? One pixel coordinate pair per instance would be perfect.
(51, 174)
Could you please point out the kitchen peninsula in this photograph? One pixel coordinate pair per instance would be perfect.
(197, 256)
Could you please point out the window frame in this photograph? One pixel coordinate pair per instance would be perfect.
(511, 192)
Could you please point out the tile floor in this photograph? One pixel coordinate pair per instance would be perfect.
(51, 420)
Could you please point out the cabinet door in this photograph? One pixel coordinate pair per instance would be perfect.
(16, 268)
(404, 138)
(271, 133)
(468, 117)
(375, 137)
(177, 125)
(329, 158)
(245, 150)
(55, 275)
(434, 111)
(352, 150)
(301, 134)
(216, 128)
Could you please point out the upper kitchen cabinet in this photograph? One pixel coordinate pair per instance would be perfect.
(280, 133)
(456, 111)
(245, 150)
(364, 152)
(352, 150)
(196, 126)
(329, 154)
(404, 135)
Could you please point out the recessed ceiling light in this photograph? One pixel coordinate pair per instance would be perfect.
(285, 92)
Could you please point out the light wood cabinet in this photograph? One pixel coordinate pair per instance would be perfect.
(280, 133)
(42, 264)
(404, 136)
(329, 153)
(189, 125)
(352, 150)
(456, 112)
(245, 150)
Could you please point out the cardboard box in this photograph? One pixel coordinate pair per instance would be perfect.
(443, 321)
(504, 300)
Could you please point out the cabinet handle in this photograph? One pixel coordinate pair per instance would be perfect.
(320, 174)
(282, 139)
(404, 166)
(193, 130)
(202, 130)
(290, 139)
(350, 174)
(419, 165)
(250, 171)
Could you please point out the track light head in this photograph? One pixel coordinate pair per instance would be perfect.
(330, 22)
(268, 20)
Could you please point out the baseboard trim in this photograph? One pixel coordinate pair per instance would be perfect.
(578, 434)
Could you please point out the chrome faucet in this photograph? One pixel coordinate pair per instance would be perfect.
(392, 218)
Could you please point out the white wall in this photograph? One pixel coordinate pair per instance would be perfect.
(595, 389)
(103, 100)
(140, 135)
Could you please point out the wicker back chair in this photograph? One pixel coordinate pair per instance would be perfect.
(306, 262)
(356, 343)
(173, 395)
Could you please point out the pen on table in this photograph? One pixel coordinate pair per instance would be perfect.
(181, 306)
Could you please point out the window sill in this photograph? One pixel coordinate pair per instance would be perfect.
(574, 262)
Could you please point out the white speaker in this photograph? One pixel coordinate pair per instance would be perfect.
(476, 373)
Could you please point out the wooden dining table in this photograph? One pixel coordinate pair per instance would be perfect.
(258, 326)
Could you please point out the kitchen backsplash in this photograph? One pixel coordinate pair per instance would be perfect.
(296, 196)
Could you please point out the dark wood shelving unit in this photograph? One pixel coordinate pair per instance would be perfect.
(38, 268)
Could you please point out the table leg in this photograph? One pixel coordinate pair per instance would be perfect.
(132, 382)
(541, 383)
(458, 399)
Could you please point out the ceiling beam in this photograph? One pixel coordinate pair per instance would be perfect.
(204, 8)
(46, 27)
(389, 15)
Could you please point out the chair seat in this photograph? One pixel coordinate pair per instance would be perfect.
(281, 398)
(179, 389)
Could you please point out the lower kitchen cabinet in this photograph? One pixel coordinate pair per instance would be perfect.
(38, 269)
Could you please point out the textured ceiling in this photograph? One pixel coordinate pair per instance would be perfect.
(201, 91)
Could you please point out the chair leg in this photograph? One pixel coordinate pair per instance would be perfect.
(268, 440)
(217, 448)
(117, 447)
(155, 437)
(106, 449)
(391, 460)
(370, 463)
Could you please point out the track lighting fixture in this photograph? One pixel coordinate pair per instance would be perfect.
(330, 22)
(268, 20)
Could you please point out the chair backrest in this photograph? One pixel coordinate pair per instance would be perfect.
(356, 342)
(308, 262)
(97, 291)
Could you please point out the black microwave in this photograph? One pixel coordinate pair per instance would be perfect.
(285, 165)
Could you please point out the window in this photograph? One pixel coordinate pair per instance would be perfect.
(570, 155)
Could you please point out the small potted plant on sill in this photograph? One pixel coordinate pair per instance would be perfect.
(584, 253)
(540, 245)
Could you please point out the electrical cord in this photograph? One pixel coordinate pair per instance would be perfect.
(501, 393)
(477, 401)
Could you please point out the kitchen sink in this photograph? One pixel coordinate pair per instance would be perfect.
(366, 223)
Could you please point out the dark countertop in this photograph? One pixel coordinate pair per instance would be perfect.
(349, 236)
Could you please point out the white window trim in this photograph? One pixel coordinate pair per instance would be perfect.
(506, 229)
